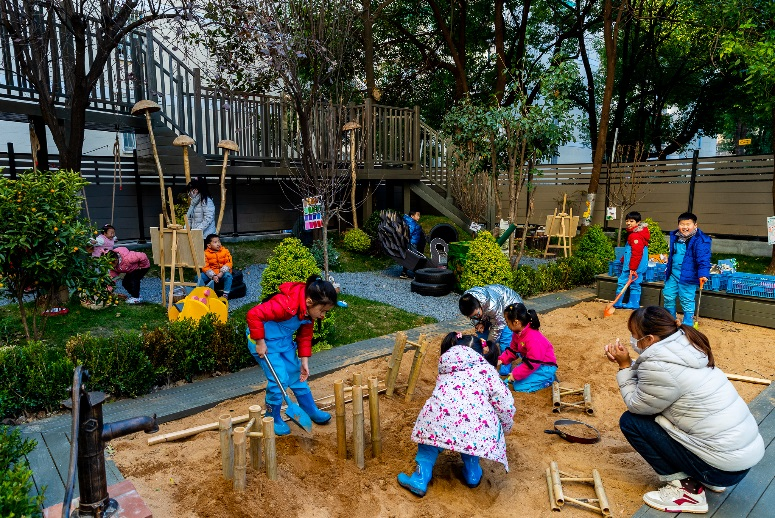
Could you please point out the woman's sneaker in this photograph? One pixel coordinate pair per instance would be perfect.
(134, 300)
(674, 498)
(715, 489)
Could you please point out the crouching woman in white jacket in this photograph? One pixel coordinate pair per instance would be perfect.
(683, 416)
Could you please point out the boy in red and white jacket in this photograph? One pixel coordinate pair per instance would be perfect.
(636, 260)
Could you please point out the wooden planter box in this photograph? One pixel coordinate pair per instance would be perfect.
(717, 305)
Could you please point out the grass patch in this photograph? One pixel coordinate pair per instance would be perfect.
(363, 319)
(745, 263)
(80, 320)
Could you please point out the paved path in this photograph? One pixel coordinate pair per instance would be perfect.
(49, 460)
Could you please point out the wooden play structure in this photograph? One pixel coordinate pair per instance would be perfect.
(562, 226)
(358, 390)
(394, 365)
(234, 448)
(584, 404)
(557, 497)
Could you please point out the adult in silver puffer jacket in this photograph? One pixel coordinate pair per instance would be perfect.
(492, 300)
(684, 416)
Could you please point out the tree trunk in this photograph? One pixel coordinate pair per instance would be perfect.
(771, 267)
(619, 232)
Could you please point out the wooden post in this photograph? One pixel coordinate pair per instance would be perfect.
(376, 432)
(227, 447)
(162, 261)
(341, 426)
(270, 451)
(414, 374)
(588, 399)
(600, 492)
(357, 379)
(198, 135)
(358, 438)
(559, 499)
(416, 141)
(394, 365)
(255, 442)
(552, 501)
(240, 465)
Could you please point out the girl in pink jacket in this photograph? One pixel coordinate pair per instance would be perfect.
(134, 265)
(539, 364)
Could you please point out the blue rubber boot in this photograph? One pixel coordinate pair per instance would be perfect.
(308, 405)
(472, 471)
(417, 483)
(280, 427)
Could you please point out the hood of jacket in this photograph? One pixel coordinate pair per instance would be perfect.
(461, 359)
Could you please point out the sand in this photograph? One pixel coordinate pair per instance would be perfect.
(184, 478)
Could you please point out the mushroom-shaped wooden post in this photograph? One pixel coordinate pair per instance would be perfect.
(351, 127)
(184, 141)
(226, 145)
(148, 107)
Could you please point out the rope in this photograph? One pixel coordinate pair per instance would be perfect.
(116, 170)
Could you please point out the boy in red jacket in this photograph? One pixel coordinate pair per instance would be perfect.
(636, 260)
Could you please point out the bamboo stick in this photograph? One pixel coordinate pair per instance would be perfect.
(394, 365)
(600, 492)
(582, 504)
(555, 397)
(158, 163)
(738, 377)
(376, 432)
(552, 501)
(559, 499)
(227, 447)
(358, 438)
(358, 380)
(188, 432)
(255, 442)
(588, 399)
(341, 425)
(270, 451)
(414, 373)
(259, 435)
(240, 466)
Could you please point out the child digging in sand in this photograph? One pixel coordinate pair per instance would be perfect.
(469, 412)
(539, 363)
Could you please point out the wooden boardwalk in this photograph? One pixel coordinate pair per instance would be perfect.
(754, 497)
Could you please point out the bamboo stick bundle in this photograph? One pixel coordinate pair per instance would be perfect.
(559, 499)
(550, 486)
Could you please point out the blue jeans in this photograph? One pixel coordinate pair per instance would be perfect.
(224, 283)
(685, 293)
(670, 459)
(632, 295)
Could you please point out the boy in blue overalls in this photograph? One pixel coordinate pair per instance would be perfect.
(635, 260)
(688, 263)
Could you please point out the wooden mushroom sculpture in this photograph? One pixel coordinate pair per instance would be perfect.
(226, 145)
(184, 141)
(148, 107)
(351, 127)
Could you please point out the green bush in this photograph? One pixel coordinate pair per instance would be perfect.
(33, 376)
(117, 363)
(317, 253)
(658, 243)
(485, 263)
(290, 262)
(356, 240)
(372, 224)
(563, 274)
(525, 281)
(595, 244)
(16, 476)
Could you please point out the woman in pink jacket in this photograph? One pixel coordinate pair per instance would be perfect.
(469, 412)
(539, 364)
(134, 265)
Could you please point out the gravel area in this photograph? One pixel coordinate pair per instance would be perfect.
(384, 286)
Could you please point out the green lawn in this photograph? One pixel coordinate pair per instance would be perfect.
(745, 263)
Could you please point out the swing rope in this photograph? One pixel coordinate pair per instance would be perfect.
(116, 171)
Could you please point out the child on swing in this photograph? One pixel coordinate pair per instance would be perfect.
(469, 412)
(271, 326)
(539, 363)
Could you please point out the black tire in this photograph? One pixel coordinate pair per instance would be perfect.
(445, 231)
(435, 276)
(433, 290)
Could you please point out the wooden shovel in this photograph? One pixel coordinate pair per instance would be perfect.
(609, 309)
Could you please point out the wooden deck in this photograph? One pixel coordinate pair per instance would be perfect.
(754, 497)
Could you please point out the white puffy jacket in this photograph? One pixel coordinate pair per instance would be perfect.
(698, 406)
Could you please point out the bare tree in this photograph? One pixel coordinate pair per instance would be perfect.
(626, 182)
(78, 38)
(470, 190)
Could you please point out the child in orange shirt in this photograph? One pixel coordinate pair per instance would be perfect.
(217, 266)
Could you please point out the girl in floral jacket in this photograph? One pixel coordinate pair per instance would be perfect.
(469, 412)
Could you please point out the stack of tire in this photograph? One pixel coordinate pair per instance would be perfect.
(238, 288)
(434, 282)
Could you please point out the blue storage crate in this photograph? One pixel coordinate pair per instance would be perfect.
(658, 272)
(718, 281)
(614, 268)
(752, 285)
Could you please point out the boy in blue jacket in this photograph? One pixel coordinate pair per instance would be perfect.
(688, 264)
(416, 236)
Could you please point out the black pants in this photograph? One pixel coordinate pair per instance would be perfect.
(131, 282)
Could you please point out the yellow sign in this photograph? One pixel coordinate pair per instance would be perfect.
(744, 142)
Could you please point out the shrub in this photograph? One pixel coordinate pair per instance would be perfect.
(594, 243)
(33, 376)
(317, 253)
(485, 263)
(372, 224)
(117, 363)
(525, 281)
(658, 243)
(16, 476)
(290, 262)
(356, 240)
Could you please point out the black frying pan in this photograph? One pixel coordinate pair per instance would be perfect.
(575, 431)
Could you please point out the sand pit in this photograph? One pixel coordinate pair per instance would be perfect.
(184, 479)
